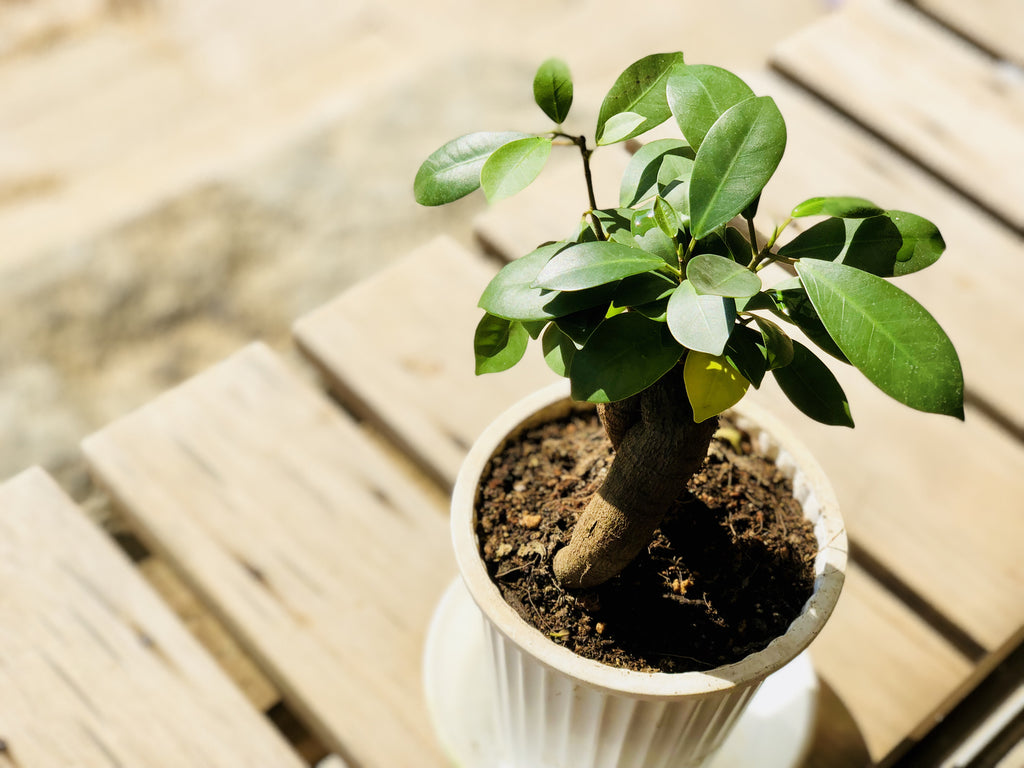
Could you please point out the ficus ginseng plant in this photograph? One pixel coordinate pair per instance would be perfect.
(655, 308)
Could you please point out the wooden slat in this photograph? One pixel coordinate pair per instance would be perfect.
(934, 96)
(970, 290)
(323, 559)
(95, 669)
(404, 342)
(889, 668)
(876, 672)
(996, 25)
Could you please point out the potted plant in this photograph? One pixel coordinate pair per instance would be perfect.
(656, 311)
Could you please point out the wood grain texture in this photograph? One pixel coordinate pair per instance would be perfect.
(996, 25)
(95, 669)
(323, 559)
(934, 96)
(889, 669)
(398, 349)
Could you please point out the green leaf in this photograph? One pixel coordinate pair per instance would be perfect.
(871, 244)
(453, 171)
(738, 157)
(778, 345)
(719, 276)
(499, 344)
(586, 265)
(746, 352)
(512, 295)
(643, 289)
(622, 126)
(840, 207)
(639, 92)
(552, 89)
(739, 247)
(699, 94)
(666, 217)
(512, 167)
(580, 326)
(794, 305)
(887, 335)
(700, 322)
(811, 387)
(712, 384)
(640, 180)
(625, 355)
(558, 350)
(922, 244)
(614, 219)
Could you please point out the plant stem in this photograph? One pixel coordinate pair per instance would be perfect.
(585, 153)
(753, 243)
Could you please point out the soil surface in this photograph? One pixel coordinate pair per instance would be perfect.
(729, 569)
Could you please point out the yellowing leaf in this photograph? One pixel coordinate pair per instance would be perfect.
(712, 384)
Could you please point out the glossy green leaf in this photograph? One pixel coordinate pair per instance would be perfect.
(778, 345)
(586, 265)
(622, 126)
(513, 167)
(453, 171)
(840, 207)
(699, 94)
(738, 157)
(625, 355)
(638, 92)
(811, 387)
(552, 89)
(720, 276)
(499, 344)
(558, 350)
(747, 353)
(643, 289)
(887, 335)
(640, 179)
(700, 322)
(511, 293)
(666, 217)
(793, 304)
(740, 249)
(580, 326)
(871, 244)
(922, 244)
(712, 384)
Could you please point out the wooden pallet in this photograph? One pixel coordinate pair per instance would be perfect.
(287, 520)
(95, 668)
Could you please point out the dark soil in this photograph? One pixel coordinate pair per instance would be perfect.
(730, 568)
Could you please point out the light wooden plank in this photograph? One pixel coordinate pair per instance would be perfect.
(934, 96)
(398, 348)
(889, 668)
(970, 290)
(323, 559)
(995, 24)
(95, 669)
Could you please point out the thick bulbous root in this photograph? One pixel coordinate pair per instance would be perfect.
(658, 448)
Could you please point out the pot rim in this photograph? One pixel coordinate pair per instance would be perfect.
(830, 566)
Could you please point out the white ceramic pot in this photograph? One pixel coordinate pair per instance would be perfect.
(554, 709)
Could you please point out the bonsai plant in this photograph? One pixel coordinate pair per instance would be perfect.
(655, 308)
